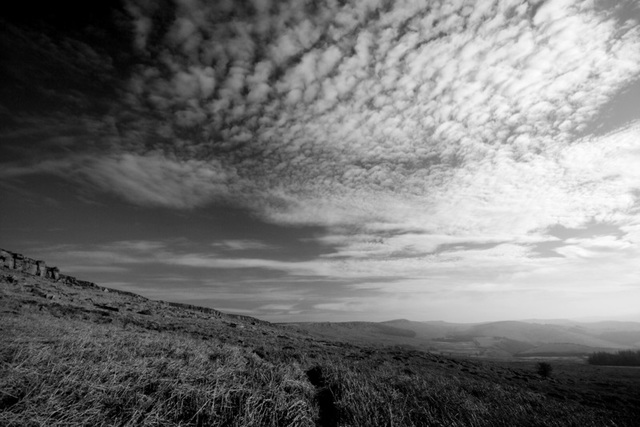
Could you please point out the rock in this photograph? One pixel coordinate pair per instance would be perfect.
(106, 307)
(29, 266)
(6, 259)
(10, 279)
(53, 273)
(18, 261)
(41, 268)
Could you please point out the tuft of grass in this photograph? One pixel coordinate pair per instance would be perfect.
(544, 369)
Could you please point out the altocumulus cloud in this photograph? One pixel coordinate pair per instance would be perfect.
(423, 115)
(413, 130)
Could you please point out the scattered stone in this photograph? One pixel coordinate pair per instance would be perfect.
(106, 307)
(38, 292)
(11, 279)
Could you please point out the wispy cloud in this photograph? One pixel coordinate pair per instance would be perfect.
(241, 245)
(147, 180)
(125, 254)
(157, 180)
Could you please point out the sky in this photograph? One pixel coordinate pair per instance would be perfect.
(330, 160)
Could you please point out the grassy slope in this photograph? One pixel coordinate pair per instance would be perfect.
(80, 356)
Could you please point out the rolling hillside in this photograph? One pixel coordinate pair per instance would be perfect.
(75, 353)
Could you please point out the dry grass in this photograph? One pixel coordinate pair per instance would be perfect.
(387, 396)
(58, 372)
(73, 374)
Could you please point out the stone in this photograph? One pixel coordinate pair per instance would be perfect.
(11, 279)
(18, 261)
(41, 268)
(53, 273)
(6, 259)
(29, 266)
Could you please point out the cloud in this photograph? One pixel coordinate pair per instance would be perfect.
(147, 180)
(301, 268)
(324, 115)
(157, 180)
(241, 245)
(128, 254)
(430, 139)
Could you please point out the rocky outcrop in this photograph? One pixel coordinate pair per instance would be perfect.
(14, 261)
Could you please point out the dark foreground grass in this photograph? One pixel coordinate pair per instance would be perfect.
(68, 372)
(385, 397)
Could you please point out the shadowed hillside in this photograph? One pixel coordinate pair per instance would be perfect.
(75, 353)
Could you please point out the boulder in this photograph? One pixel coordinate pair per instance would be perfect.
(29, 266)
(53, 273)
(41, 268)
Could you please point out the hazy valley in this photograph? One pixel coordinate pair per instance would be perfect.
(504, 339)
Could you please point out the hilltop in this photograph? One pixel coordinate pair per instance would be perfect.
(76, 353)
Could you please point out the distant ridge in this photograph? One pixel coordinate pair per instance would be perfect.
(502, 339)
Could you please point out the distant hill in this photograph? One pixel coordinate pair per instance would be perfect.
(537, 334)
(491, 339)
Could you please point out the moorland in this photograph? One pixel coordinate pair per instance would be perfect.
(74, 353)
